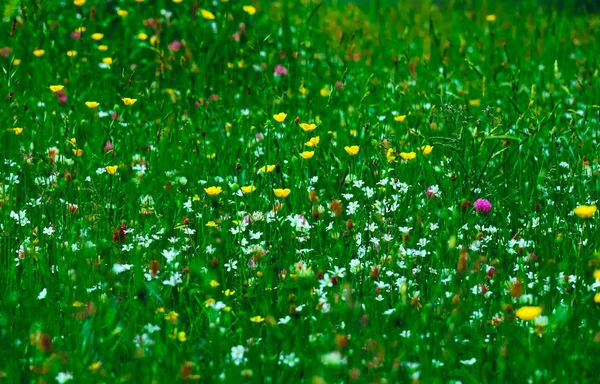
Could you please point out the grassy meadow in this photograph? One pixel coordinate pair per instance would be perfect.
(299, 192)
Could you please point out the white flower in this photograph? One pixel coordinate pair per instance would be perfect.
(333, 358)
(284, 320)
(469, 362)
(42, 294)
(120, 268)
(237, 354)
(289, 360)
(170, 255)
(63, 377)
(173, 280)
(48, 231)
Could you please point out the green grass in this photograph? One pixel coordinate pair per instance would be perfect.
(358, 275)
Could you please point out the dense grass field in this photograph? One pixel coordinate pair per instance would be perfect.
(289, 191)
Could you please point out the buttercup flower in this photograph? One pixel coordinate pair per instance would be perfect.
(426, 149)
(528, 312)
(111, 169)
(213, 191)
(92, 104)
(128, 101)
(249, 9)
(267, 168)
(353, 150)
(482, 206)
(39, 52)
(257, 319)
(307, 154)
(97, 36)
(283, 193)
(408, 155)
(79, 3)
(280, 117)
(56, 88)
(308, 127)
(400, 118)
(248, 189)
(313, 142)
(585, 211)
(207, 14)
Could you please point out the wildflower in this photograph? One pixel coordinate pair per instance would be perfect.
(280, 117)
(390, 155)
(400, 118)
(78, 152)
(248, 189)
(433, 192)
(79, 3)
(597, 298)
(71, 53)
(207, 14)
(107, 60)
(482, 206)
(267, 168)
(353, 150)
(408, 155)
(97, 36)
(280, 70)
(490, 18)
(475, 102)
(528, 312)
(92, 104)
(249, 9)
(103, 48)
(213, 191)
(308, 127)
(172, 316)
(39, 52)
(214, 283)
(426, 149)
(324, 92)
(142, 36)
(307, 154)
(56, 88)
(17, 131)
(181, 336)
(94, 367)
(597, 274)
(211, 224)
(279, 192)
(585, 211)
(313, 142)
(63, 377)
(122, 13)
(128, 101)
(257, 319)
(111, 169)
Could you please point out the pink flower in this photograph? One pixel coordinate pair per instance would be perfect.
(280, 70)
(62, 96)
(432, 192)
(76, 35)
(108, 146)
(175, 46)
(482, 206)
(339, 85)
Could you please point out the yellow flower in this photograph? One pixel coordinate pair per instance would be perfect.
(56, 88)
(153, 40)
(249, 189)
(308, 127)
(92, 104)
(597, 298)
(211, 224)
(426, 149)
(172, 316)
(78, 304)
(214, 283)
(475, 102)
(208, 302)
(324, 92)
(207, 14)
(17, 62)
(97, 36)
(181, 336)
(267, 168)
(408, 156)
(122, 13)
(71, 53)
(280, 117)
(81, 29)
(279, 192)
(229, 292)
(528, 312)
(313, 142)
(107, 61)
(95, 366)
(390, 155)
(17, 131)
(597, 274)
(400, 118)
(353, 150)
(142, 36)
(79, 3)
(249, 9)
(103, 48)
(78, 152)
(491, 18)
(128, 101)
(213, 191)
(307, 154)
(111, 169)
(585, 211)
(177, 1)
(257, 319)
(39, 52)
